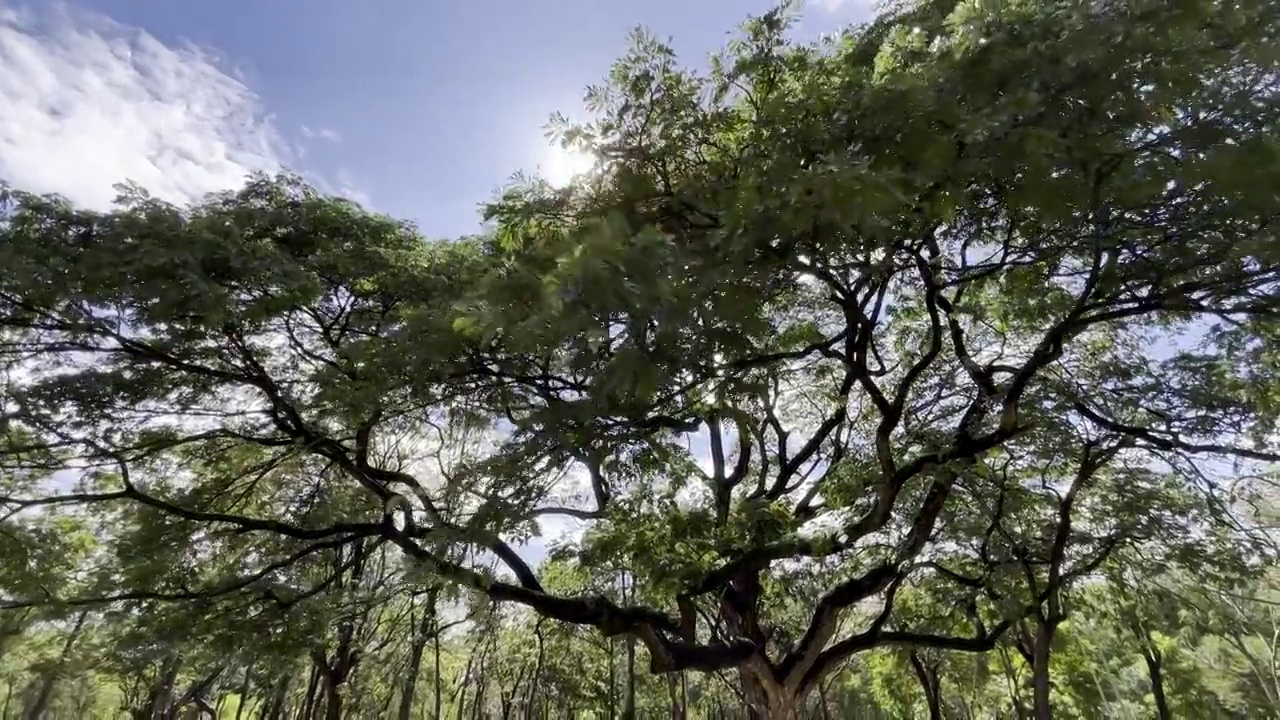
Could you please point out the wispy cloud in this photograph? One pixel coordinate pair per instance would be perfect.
(86, 103)
(858, 8)
(329, 134)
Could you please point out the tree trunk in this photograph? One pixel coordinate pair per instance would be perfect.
(309, 701)
(1156, 673)
(160, 696)
(613, 682)
(482, 688)
(1041, 684)
(332, 679)
(929, 683)
(768, 700)
(439, 682)
(44, 693)
(678, 711)
(684, 693)
(463, 682)
(825, 705)
(1013, 685)
(416, 649)
(629, 710)
(334, 673)
(332, 701)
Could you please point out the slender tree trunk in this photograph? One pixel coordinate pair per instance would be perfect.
(482, 698)
(684, 694)
(462, 685)
(309, 701)
(1013, 685)
(822, 698)
(44, 693)
(1155, 670)
(416, 649)
(534, 699)
(1041, 680)
(482, 688)
(333, 701)
(335, 673)
(928, 677)
(613, 681)
(333, 679)
(629, 710)
(160, 696)
(507, 697)
(439, 681)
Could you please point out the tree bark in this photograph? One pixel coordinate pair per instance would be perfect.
(629, 710)
(825, 705)
(929, 683)
(416, 649)
(334, 672)
(333, 701)
(1155, 670)
(766, 698)
(439, 682)
(684, 695)
(613, 682)
(675, 695)
(464, 681)
(309, 701)
(1041, 682)
(160, 696)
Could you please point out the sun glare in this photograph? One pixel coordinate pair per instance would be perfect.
(562, 165)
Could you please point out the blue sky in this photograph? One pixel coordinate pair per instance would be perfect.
(420, 108)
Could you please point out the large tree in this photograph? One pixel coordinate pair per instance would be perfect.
(813, 309)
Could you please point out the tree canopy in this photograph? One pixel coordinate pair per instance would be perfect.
(885, 342)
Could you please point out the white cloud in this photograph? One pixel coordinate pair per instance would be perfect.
(346, 187)
(846, 7)
(86, 103)
(323, 133)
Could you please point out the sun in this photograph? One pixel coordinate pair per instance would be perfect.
(561, 165)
